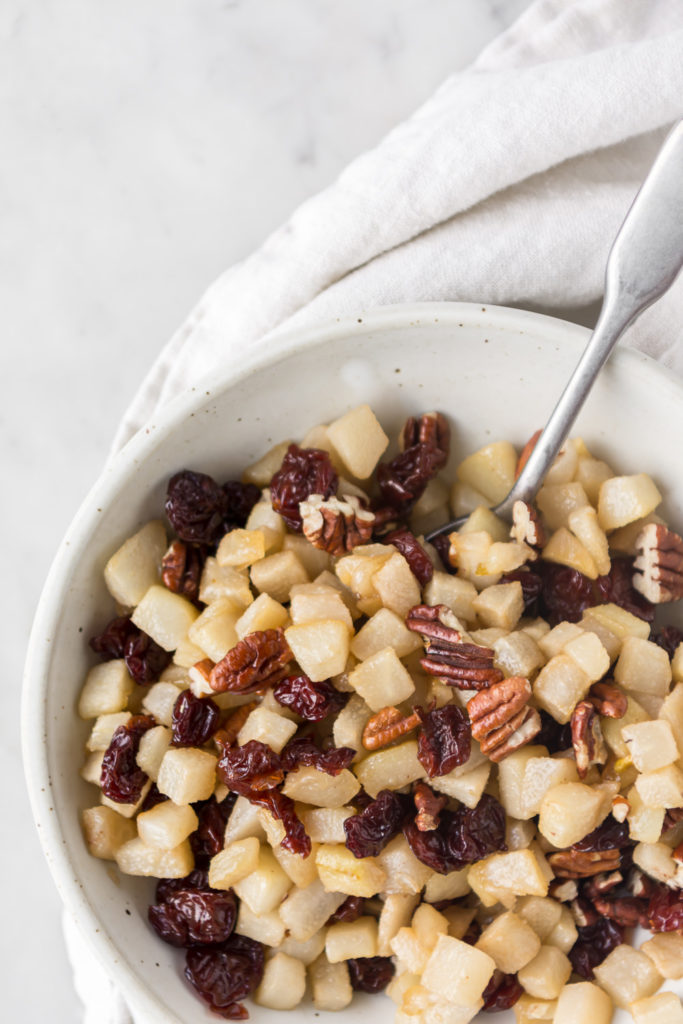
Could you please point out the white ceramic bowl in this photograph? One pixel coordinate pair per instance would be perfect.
(496, 373)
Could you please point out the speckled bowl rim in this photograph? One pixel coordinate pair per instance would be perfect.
(142, 445)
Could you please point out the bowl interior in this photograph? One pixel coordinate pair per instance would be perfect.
(495, 372)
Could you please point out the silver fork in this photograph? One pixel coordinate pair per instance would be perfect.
(644, 261)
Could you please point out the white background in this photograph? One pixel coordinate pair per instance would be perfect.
(145, 145)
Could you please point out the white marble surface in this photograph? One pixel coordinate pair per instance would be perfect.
(145, 147)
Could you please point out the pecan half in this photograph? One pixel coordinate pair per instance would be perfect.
(587, 739)
(431, 429)
(500, 718)
(259, 660)
(181, 569)
(563, 890)
(608, 700)
(428, 805)
(658, 567)
(672, 817)
(458, 663)
(625, 910)
(336, 525)
(386, 726)
(583, 864)
(527, 527)
(598, 885)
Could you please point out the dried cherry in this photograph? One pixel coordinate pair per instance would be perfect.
(566, 593)
(194, 720)
(250, 768)
(368, 832)
(370, 973)
(501, 993)
(351, 909)
(413, 552)
(153, 798)
(145, 659)
(121, 779)
(207, 839)
(532, 585)
(311, 701)
(239, 501)
(282, 807)
(194, 917)
(554, 736)
(445, 739)
(197, 879)
(594, 943)
(462, 837)
(669, 637)
(403, 480)
(443, 546)
(304, 471)
(225, 975)
(665, 910)
(303, 751)
(196, 507)
(610, 835)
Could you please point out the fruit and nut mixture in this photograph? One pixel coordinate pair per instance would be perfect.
(357, 761)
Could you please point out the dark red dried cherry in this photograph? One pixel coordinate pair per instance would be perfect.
(194, 720)
(303, 751)
(121, 779)
(194, 917)
(594, 943)
(207, 839)
(351, 909)
(445, 739)
(368, 832)
(225, 975)
(501, 993)
(145, 659)
(665, 911)
(462, 837)
(196, 507)
(239, 501)
(304, 471)
(252, 767)
(413, 552)
(311, 701)
(282, 807)
(370, 973)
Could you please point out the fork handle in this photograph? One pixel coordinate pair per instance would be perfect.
(643, 263)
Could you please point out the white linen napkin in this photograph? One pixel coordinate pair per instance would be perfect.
(507, 186)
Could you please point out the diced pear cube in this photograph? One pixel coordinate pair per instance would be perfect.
(405, 874)
(396, 913)
(458, 972)
(511, 777)
(464, 499)
(483, 518)
(500, 605)
(620, 622)
(307, 951)
(556, 502)
(384, 629)
(187, 774)
(223, 581)
(564, 548)
(159, 700)
(467, 787)
(263, 471)
(104, 728)
(583, 1003)
(311, 786)
(136, 566)
(664, 1008)
(136, 858)
(565, 934)
(589, 653)
(541, 913)
(672, 711)
(127, 810)
(305, 911)
(214, 631)
(591, 474)
(153, 745)
(490, 470)
(570, 811)
(627, 975)
(625, 498)
(349, 723)
(643, 666)
(519, 834)
(546, 975)
(610, 641)
(644, 821)
(559, 687)
(267, 727)
(396, 585)
(234, 863)
(319, 603)
(540, 775)
(446, 887)
(266, 928)
(301, 870)
(165, 616)
(382, 680)
(656, 860)
(341, 872)
(188, 654)
(326, 824)
(106, 689)
(330, 984)
(277, 574)
(240, 548)
(283, 984)
(392, 768)
(510, 942)
(263, 517)
(504, 876)
(348, 939)
(661, 788)
(105, 831)
(518, 654)
(266, 886)
(453, 591)
(166, 825)
(321, 648)
(92, 767)
(651, 745)
(555, 640)
(264, 613)
(566, 461)
(359, 439)
(665, 950)
(612, 727)
(244, 822)
(529, 1010)
(356, 570)
(583, 523)
(411, 955)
